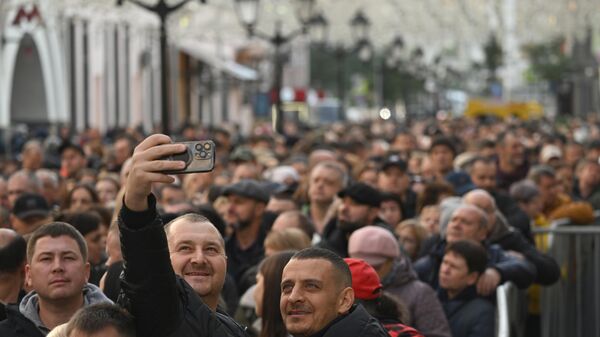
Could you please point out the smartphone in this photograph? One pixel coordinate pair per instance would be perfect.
(199, 156)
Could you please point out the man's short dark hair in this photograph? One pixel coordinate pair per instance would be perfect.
(12, 255)
(85, 222)
(129, 138)
(444, 141)
(485, 144)
(388, 196)
(95, 318)
(473, 253)
(502, 136)
(341, 269)
(194, 218)
(537, 172)
(54, 230)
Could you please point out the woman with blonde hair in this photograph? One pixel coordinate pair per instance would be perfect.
(410, 236)
(286, 239)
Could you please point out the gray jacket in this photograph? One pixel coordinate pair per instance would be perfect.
(426, 313)
(29, 305)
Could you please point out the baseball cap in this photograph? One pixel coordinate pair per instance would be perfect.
(550, 151)
(461, 182)
(373, 244)
(394, 160)
(29, 205)
(362, 194)
(365, 281)
(248, 188)
(283, 174)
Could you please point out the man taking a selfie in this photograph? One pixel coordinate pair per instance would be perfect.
(173, 275)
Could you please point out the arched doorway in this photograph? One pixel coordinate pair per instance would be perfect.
(28, 103)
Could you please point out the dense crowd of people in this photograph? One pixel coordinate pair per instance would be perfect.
(369, 229)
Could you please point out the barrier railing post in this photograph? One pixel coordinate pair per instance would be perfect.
(571, 306)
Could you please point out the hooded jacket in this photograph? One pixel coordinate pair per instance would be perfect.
(23, 320)
(426, 313)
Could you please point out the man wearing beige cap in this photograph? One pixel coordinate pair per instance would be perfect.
(378, 247)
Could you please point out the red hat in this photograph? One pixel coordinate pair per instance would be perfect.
(365, 280)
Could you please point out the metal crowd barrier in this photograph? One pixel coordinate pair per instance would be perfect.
(571, 307)
(511, 311)
(502, 319)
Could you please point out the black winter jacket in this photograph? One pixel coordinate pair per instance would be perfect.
(163, 304)
(357, 322)
(546, 267)
(17, 325)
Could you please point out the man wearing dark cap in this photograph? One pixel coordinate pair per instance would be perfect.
(247, 203)
(72, 160)
(359, 208)
(393, 178)
(29, 212)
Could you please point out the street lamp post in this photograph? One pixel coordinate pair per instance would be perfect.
(359, 25)
(163, 10)
(247, 11)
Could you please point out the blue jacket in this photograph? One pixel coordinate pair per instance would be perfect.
(468, 314)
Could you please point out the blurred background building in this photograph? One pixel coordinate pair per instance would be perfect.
(97, 63)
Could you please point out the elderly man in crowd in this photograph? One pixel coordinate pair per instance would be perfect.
(512, 241)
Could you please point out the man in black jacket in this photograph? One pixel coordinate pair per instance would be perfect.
(162, 303)
(317, 298)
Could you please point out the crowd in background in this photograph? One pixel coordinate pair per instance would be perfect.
(431, 217)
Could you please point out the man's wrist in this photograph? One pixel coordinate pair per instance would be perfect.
(137, 219)
(135, 203)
